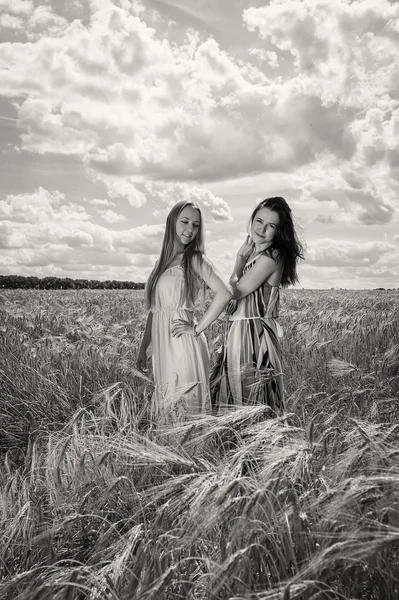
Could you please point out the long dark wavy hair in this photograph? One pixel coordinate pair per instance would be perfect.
(285, 242)
(192, 251)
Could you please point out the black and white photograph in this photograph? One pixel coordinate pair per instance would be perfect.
(199, 300)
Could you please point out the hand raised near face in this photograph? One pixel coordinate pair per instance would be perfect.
(246, 249)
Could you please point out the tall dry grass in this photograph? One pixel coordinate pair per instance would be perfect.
(95, 503)
(60, 348)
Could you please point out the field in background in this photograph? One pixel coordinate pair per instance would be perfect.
(95, 504)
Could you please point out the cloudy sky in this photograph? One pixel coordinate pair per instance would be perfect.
(113, 110)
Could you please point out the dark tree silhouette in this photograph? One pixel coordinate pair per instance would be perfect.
(64, 283)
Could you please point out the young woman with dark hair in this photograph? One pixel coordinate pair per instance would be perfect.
(248, 370)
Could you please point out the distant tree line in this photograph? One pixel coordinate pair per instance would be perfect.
(64, 283)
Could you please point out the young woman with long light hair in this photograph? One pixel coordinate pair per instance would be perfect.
(179, 349)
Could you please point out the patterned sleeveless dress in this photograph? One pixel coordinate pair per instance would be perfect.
(248, 367)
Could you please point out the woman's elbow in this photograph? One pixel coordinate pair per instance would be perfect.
(227, 293)
(236, 293)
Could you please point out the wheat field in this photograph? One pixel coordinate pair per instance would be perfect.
(97, 504)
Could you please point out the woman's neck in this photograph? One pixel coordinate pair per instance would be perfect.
(175, 260)
(260, 247)
(179, 247)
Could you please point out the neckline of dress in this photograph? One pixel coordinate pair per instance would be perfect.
(253, 258)
(173, 267)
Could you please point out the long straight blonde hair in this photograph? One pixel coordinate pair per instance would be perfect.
(192, 251)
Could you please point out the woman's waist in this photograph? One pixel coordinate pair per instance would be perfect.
(172, 310)
(244, 317)
(269, 321)
(246, 310)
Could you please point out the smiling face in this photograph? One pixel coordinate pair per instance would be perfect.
(264, 226)
(187, 225)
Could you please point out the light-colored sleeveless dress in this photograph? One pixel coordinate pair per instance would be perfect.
(248, 368)
(180, 365)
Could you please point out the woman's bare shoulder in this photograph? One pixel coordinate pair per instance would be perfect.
(273, 254)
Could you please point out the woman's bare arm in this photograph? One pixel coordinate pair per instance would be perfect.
(145, 342)
(223, 294)
(222, 290)
(263, 268)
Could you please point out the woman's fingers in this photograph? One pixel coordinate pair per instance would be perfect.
(230, 304)
(141, 365)
(179, 326)
(178, 331)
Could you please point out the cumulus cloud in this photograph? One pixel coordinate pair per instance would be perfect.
(212, 207)
(338, 253)
(100, 202)
(76, 239)
(265, 56)
(123, 188)
(9, 238)
(354, 206)
(42, 230)
(344, 86)
(377, 136)
(132, 105)
(336, 46)
(348, 192)
(154, 121)
(53, 228)
(30, 208)
(45, 128)
(31, 19)
(390, 260)
(111, 216)
(145, 239)
(17, 7)
(44, 19)
(44, 218)
(11, 22)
